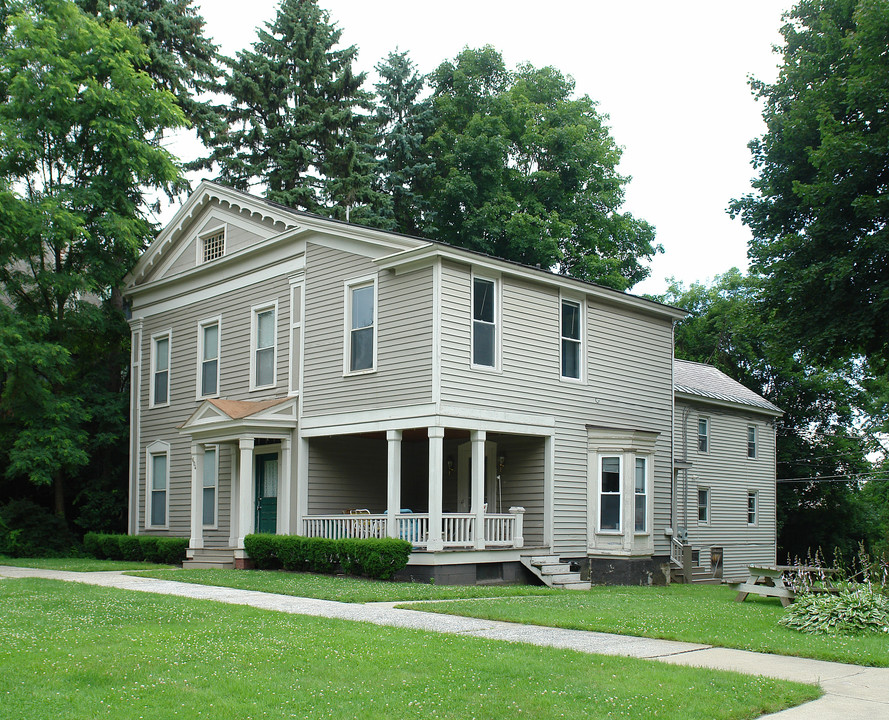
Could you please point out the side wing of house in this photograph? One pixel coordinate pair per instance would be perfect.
(725, 485)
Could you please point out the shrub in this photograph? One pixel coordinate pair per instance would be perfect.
(379, 559)
(110, 546)
(854, 610)
(130, 547)
(171, 550)
(30, 530)
(92, 545)
(150, 551)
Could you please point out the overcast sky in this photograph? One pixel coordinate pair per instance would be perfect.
(672, 77)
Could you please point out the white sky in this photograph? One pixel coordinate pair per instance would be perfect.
(672, 76)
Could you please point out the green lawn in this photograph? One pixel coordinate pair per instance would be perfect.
(693, 613)
(78, 564)
(342, 589)
(77, 651)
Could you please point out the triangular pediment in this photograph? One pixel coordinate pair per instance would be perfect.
(221, 419)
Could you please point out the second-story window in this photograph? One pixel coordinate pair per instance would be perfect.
(484, 322)
(703, 435)
(571, 342)
(751, 507)
(263, 347)
(751, 441)
(160, 370)
(208, 349)
(361, 313)
(703, 506)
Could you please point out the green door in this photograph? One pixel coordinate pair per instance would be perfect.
(266, 493)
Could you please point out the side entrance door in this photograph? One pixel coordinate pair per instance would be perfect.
(266, 473)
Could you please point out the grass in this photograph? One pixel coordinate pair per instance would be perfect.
(693, 613)
(78, 564)
(342, 589)
(77, 651)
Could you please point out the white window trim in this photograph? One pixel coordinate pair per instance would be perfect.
(498, 322)
(755, 442)
(296, 328)
(158, 447)
(580, 302)
(620, 494)
(649, 465)
(709, 435)
(755, 495)
(255, 310)
(203, 235)
(217, 321)
(709, 506)
(348, 287)
(215, 449)
(163, 335)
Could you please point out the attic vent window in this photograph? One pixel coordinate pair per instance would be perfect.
(213, 246)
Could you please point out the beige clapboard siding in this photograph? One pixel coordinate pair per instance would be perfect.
(341, 481)
(404, 336)
(730, 474)
(628, 384)
(521, 484)
(161, 423)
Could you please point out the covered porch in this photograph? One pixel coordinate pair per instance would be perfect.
(441, 489)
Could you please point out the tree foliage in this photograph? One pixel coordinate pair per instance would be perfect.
(524, 170)
(819, 213)
(296, 121)
(829, 425)
(79, 147)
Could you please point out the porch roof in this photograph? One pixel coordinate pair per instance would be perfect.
(218, 420)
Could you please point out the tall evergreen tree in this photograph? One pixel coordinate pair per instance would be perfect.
(296, 122)
(79, 146)
(403, 120)
(526, 171)
(180, 57)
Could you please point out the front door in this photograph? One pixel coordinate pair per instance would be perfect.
(267, 493)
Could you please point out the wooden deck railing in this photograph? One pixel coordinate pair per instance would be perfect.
(457, 529)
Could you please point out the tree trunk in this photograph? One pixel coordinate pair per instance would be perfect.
(58, 490)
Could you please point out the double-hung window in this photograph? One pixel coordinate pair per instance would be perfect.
(208, 358)
(641, 496)
(484, 322)
(571, 340)
(158, 463)
(160, 369)
(751, 507)
(704, 434)
(264, 347)
(209, 485)
(751, 441)
(361, 326)
(703, 506)
(610, 493)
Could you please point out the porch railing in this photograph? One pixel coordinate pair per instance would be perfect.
(457, 529)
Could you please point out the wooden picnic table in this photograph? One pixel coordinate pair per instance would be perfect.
(770, 581)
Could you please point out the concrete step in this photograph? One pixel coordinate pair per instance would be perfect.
(201, 564)
(554, 569)
(575, 586)
(568, 577)
(544, 559)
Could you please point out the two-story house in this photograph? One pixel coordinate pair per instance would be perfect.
(295, 374)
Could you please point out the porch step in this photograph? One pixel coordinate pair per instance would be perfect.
(553, 572)
(699, 575)
(221, 558)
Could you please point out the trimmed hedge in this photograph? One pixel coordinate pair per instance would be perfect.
(105, 546)
(377, 559)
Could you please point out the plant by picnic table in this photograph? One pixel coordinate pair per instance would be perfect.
(855, 609)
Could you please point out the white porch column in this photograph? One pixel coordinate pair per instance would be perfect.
(436, 459)
(285, 500)
(302, 483)
(477, 438)
(234, 519)
(197, 497)
(245, 490)
(393, 482)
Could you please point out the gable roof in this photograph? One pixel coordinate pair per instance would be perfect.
(698, 381)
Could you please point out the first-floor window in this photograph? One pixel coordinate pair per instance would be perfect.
(157, 468)
(751, 508)
(640, 495)
(704, 505)
(210, 486)
(609, 495)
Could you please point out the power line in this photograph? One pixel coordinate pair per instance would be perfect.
(875, 475)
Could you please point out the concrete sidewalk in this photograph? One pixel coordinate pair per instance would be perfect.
(851, 691)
